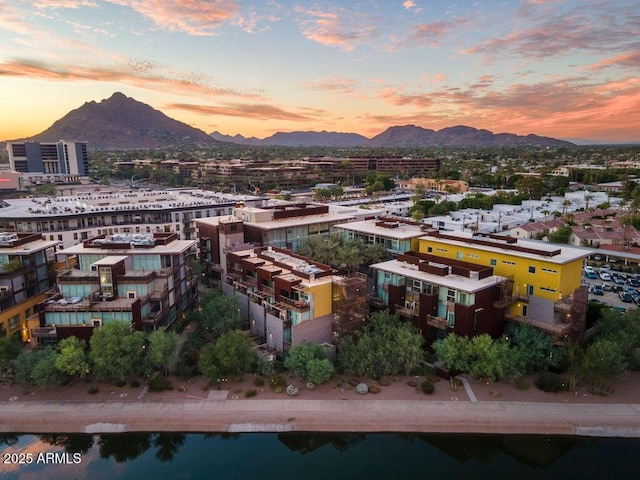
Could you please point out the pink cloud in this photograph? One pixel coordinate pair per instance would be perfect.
(631, 60)
(343, 30)
(192, 17)
(255, 111)
(55, 4)
(141, 74)
(337, 85)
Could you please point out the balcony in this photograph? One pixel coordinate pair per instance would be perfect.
(406, 312)
(438, 322)
(557, 330)
(297, 305)
(375, 301)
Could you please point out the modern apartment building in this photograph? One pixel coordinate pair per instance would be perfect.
(542, 283)
(107, 211)
(439, 295)
(27, 271)
(398, 235)
(69, 158)
(288, 299)
(144, 279)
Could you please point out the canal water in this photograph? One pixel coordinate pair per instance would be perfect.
(310, 456)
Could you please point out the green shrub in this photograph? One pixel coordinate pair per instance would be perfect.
(277, 382)
(160, 383)
(259, 381)
(427, 387)
(93, 390)
(550, 382)
(521, 383)
(250, 393)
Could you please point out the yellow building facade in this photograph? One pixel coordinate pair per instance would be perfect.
(545, 271)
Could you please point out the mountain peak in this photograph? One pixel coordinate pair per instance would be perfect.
(120, 122)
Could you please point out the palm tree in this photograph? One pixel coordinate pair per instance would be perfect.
(350, 256)
(604, 206)
(376, 252)
(565, 205)
(587, 198)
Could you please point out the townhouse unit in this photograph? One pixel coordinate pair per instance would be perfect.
(543, 284)
(288, 299)
(107, 211)
(398, 235)
(439, 295)
(27, 271)
(144, 279)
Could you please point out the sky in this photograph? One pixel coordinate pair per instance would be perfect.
(565, 69)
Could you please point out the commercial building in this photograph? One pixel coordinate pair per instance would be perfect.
(107, 211)
(27, 271)
(543, 281)
(143, 279)
(68, 158)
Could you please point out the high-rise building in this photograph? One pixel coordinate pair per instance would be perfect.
(67, 158)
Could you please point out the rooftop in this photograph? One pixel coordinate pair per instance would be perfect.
(536, 250)
(391, 229)
(457, 282)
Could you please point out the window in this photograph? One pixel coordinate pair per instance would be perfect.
(429, 249)
(460, 255)
(507, 262)
(529, 289)
(532, 269)
(451, 295)
(524, 310)
(493, 262)
(14, 322)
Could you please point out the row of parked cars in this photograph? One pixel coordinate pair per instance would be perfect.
(627, 285)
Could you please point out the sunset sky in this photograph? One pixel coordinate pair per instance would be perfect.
(566, 69)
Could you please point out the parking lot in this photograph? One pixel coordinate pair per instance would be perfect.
(608, 297)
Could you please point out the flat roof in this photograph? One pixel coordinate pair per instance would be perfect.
(403, 232)
(107, 201)
(457, 282)
(177, 246)
(567, 253)
(30, 247)
(298, 221)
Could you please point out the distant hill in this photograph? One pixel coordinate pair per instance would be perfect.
(403, 136)
(121, 123)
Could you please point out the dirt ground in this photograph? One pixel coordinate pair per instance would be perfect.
(619, 391)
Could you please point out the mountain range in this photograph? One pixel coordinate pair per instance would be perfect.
(123, 123)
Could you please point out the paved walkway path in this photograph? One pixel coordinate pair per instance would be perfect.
(241, 415)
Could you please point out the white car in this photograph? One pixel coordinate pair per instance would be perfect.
(604, 276)
(589, 269)
(605, 268)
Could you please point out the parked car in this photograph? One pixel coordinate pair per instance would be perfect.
(607, 287)
(604, 276)
(592, 275)
(633, 282)
(619, 281)
(604, 268)
(617, 288)
(625, 297)
(597, 257)
(588, 269)
(597, 290)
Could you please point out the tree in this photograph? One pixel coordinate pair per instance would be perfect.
(531, 187)
(386, 346)
(309, 361)
(37, 367)
(319, 370)
(47, 189)
(73, 357)
(10, 348)
(534, 348)
(218, 314)
(376, 252)
(163, 350)
(351, 256)
(603, 359)
(116, 351)
(230, 356)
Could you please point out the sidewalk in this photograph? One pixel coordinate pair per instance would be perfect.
(615, 420)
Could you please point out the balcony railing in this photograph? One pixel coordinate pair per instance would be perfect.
(297, 305)
(558, 330)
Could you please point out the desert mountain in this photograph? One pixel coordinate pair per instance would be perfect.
(403, 136)
(120, 123)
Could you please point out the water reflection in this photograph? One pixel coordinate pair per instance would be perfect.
(147, 455)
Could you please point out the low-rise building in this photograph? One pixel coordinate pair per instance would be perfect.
(144, 279)
(27, 272)
(398, 235)
(288, 299)
(440, 295)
